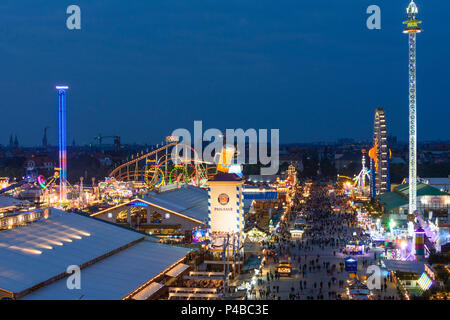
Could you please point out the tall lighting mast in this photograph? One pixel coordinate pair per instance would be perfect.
(412, 28)
(62, 142)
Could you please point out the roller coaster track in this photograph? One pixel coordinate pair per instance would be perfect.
(157, 172)
(134, 161)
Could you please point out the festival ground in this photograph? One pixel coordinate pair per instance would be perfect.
(316, 254)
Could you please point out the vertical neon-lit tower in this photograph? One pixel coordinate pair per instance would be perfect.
(373, 159)
(412, 28)
(420, 243)
(382, 179)
(62, 142)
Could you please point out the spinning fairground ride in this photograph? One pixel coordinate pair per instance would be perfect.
(359, 185)
(37, 187)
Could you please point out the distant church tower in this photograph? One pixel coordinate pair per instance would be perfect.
(44, 140)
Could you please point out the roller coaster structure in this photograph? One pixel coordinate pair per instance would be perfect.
(157, 168)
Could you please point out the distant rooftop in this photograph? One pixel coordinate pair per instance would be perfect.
(442, 184)
(422, 190)
(10, 201)
(400, 195)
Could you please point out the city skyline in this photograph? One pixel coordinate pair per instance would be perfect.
(247, 64)
(222, 155)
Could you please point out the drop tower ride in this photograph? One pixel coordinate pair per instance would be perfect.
(412, 29)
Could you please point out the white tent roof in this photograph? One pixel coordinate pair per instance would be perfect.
(115, 277)
(404, 266)
(41, 250)
(148, 291)
(187, 200)
(442, 184)
(177, 270)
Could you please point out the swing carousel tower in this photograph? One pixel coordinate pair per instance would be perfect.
(412, 29)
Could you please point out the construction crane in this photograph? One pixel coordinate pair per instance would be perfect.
(100, 138)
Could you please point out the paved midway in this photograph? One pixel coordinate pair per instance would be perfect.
(318, 263)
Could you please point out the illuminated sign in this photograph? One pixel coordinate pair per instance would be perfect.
(199, 235)
(223, 199)
(435, 200)
(226, 221)
(138, 204)
(425, 281)
(284, 268)
(172, 139)
(351, 264)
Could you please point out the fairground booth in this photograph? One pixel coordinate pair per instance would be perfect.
(412, 278)
(354, 247)
(351, 264)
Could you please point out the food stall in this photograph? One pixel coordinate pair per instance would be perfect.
(296, 234)
(354, 247)
(284, 268)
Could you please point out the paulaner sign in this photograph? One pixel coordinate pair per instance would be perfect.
(225, 216)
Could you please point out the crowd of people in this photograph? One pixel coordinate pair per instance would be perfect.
(317, 258)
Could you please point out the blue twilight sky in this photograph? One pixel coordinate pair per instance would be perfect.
(142, 68)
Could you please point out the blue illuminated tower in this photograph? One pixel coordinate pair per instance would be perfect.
(62, 142)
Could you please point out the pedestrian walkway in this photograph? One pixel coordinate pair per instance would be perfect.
(318, 263)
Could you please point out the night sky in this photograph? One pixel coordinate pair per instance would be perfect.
(142, 68)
